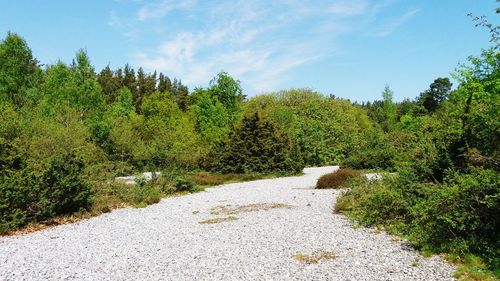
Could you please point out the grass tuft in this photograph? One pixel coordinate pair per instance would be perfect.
(228, 210)
(315, 257)
(218, 220)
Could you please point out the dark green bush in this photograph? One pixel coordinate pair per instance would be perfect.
(62, 189)
(183, 184)
(337, 179)
(26, 197)
(15, 196)
(257, 147)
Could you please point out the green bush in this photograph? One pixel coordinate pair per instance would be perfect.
(146, 195)
(62, 189)
(26, 196)
(461, 215)
(374, 152)
(15, 197)
(336, 179)
(256, 146)
(183, 184)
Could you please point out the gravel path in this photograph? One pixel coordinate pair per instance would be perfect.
(167, 242)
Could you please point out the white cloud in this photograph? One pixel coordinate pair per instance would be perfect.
(348, 8)
(259, 42)
(392, 26)
(160, 9)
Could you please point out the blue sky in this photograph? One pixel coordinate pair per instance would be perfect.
(350, 48)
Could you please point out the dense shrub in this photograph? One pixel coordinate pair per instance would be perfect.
(183, 184)
(256, 146)
(16, 194)
(336, 179)
(461, 215)
(62, 189)
(26, 196)
(324, 129)
(374, 152)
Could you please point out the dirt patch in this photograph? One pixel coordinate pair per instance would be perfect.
(218, 220)
(230, 210)
(314, 257)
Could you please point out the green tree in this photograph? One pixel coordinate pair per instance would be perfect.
(389, 108)
(164, 84)
(129, 79)
(110, 84)
(255, 146)
(212, 120)
(228, 92)
(19, 71)
(438, 92)
(180, 93)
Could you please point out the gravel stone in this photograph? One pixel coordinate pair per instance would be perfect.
(165, 241)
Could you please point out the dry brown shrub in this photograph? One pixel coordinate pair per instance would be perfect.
(337, 178)
(204, 178)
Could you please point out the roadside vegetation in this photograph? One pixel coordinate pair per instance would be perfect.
(444, 147)
(66, 131)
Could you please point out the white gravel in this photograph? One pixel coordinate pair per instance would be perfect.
(166, 242)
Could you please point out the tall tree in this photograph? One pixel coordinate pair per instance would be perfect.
(180, 93)
(19, 71)
(228, 91)
(129, 79)
(438, 91)
(141, 88)
(389, 108)
(164, 84)
(110, 84)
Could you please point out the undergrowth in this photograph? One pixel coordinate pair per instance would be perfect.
(458, 217)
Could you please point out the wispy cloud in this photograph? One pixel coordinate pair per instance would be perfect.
(125, 27)
(160, 9)
(392, 26)
(258, 42)
(348, 8)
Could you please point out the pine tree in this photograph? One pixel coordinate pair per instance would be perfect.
(129, 79)
(180, 93)
(164, 84)
(110, 84)
(256, 146)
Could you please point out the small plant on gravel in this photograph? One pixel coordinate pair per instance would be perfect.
(337, 179)
(314, 257)
(218, 220)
